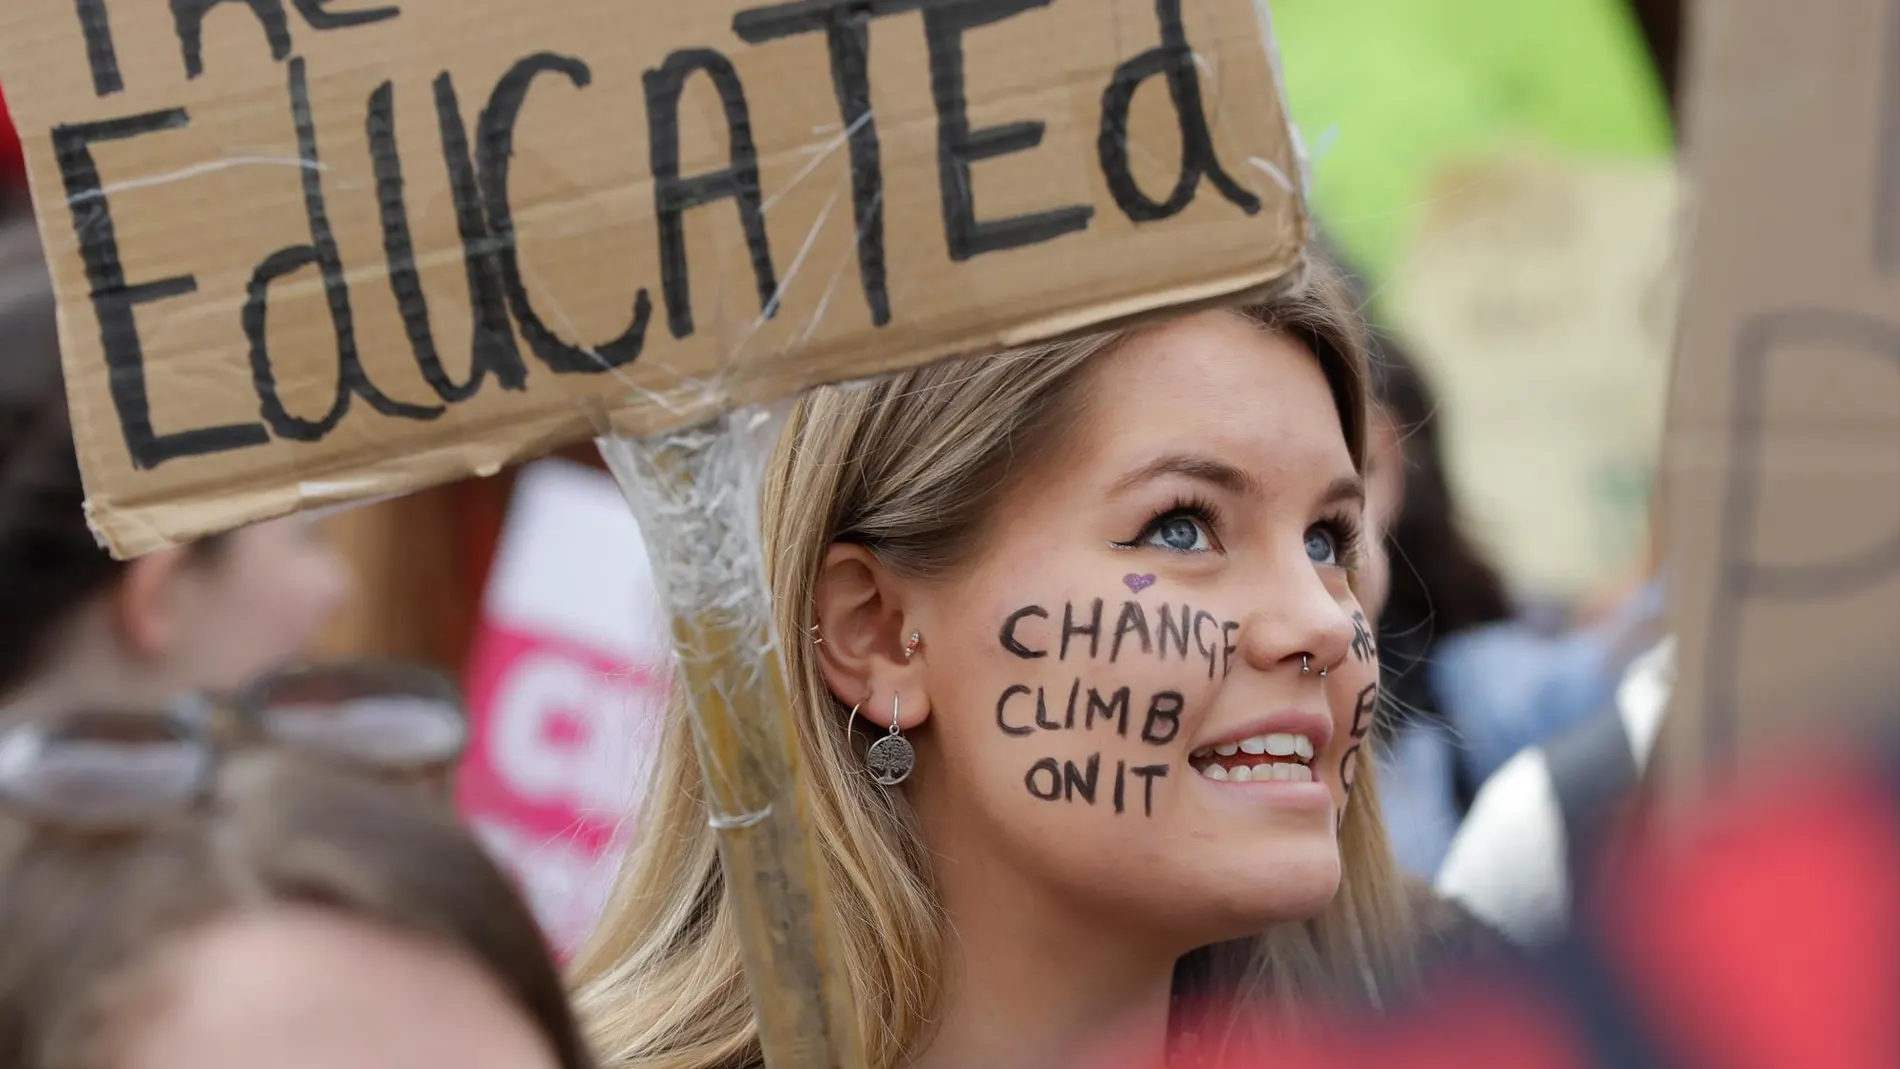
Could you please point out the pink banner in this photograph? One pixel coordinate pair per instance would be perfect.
(566, 686)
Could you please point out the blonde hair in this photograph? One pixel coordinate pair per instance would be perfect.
(911, 466)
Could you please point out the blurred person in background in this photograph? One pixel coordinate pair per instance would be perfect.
(1470, 680)
(171, 901)
(77, 626)
(1440, 586)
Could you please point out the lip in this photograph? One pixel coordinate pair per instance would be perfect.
(1315, 726)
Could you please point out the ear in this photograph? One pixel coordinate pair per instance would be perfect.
(859, 605)
(146, 610)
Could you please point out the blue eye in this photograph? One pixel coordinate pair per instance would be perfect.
(1321, 546)
(1179, 533)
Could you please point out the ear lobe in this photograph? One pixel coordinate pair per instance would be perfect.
(145, 609)
(859, 606)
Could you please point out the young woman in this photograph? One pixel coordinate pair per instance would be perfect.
(171, 902)
(78, 626)
(1103, 589)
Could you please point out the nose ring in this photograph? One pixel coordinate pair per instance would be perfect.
(1306, 666)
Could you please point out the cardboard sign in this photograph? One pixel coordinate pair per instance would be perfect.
(1784, 455)
(567, 684)
(315, 250)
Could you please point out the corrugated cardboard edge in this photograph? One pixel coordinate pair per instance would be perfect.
(134, 531)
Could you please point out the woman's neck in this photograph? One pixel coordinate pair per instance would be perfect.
(1031, 985)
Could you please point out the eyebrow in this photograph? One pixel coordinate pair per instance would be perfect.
(1230, 478)
(1203, 469)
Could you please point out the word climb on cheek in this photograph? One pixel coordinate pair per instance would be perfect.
(1363, 647)
(1210, 637)
(1362, 714)
(1065, 781)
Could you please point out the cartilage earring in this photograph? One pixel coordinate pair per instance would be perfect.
(891, 758)
(910, 645)
(817, 637)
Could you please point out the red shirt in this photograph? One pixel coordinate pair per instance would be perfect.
(1769, 938)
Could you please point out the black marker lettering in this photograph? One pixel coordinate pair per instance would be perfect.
(314, 12)
(100, 55)
(113, 298)
(1121, 769)
(1075, 691)
(1164, 709)
(1209, 651)
(847, 27)
(673, 195)
(1348, 775)
(323, 254)
(1134, 620)
(1363, 646)
(1114, 709)
(1011, 643)
(1042, 713)
(1364, 709)
(1173, 60)
(493, 336)
(494, 153)
(1168, 628)
(1092, 629)
(1149, 773)
(1003, 703)
(188, 18)
(1229, 646)
(1054, 769)
(1078, 781)
(958, 146)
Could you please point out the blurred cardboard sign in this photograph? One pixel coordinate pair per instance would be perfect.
(315, 250)
(1784, 454)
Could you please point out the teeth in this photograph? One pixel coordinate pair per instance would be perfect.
(1214, 772)
(1227, 749)
(1281, 745)
(1243, 774)
(1304, 747)
(1255, 745)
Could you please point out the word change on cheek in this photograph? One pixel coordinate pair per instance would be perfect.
(1362, 714)
(1030, 633)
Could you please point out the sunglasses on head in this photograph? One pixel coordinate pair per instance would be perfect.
(114, 769)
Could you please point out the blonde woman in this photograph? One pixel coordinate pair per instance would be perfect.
(1092, 606)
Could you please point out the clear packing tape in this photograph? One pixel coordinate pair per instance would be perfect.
(695, 492)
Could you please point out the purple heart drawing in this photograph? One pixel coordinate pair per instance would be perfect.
(1138, 583)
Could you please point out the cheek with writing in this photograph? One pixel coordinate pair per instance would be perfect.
(1364, 709)
(1180, 636)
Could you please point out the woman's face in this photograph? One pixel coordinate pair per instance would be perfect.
(1126, 699)
(306, 989)
(257, 599)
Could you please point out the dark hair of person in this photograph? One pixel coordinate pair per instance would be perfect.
(50, 564)
(85, 917)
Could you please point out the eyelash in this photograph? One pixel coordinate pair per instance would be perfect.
(1348, 538)
(1198, 508)
(1347, 535)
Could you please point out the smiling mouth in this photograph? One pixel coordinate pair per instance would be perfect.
(1278, 757)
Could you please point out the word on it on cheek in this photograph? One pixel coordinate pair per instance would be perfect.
(1188, 636)
(1065, 781)
(1363, 646)
(1362, 714)
(1138, 583)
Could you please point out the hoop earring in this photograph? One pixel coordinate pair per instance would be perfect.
(891, 759)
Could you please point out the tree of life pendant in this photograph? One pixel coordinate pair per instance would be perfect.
(890, 759)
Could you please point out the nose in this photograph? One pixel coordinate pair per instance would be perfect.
(1299, 621)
